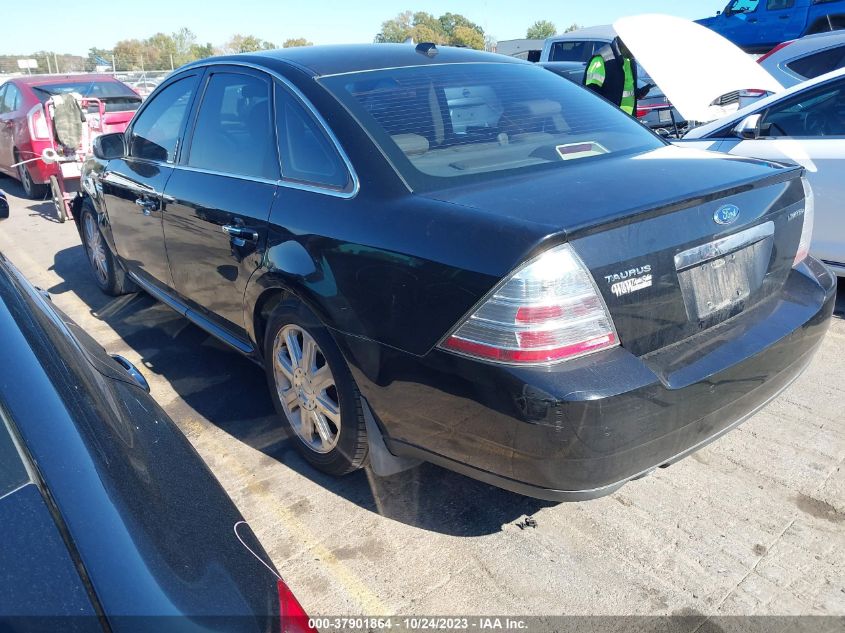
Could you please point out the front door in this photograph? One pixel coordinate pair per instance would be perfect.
(220, 195)
(781, 22)
(133, 185)
(9, 99)
(809, 129)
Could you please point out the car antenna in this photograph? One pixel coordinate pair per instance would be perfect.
(429, 49)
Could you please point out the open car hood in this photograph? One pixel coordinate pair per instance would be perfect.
(691, 64)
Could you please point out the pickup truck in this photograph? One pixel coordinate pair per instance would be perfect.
(757, 26)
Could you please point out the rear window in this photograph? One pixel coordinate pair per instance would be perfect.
(451, 123)
(573, 50)
(818, 64)
(116, 94)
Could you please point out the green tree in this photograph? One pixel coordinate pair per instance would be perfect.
(449, 28)
(468, 37)
(573, 27)
(296, 41)
(540, 30)
(247, 44)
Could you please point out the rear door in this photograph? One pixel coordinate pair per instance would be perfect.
(809, 129)
(9, 98)
(133, 185)
(221, 193)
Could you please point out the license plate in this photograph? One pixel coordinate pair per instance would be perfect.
(664, 116)
(722, 282)
(70, 170)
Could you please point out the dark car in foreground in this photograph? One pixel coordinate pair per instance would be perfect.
(110, 521)
(450, 255)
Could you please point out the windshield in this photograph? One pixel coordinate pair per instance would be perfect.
(444, 124)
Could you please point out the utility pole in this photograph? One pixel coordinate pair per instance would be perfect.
(113, 65)
(56, 60)
(47, 57)
(171, 62)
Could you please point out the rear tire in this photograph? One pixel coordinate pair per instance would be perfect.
(108, 273)
(313, 390)
(32, 190)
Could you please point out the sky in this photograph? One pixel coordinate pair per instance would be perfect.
(69, 27)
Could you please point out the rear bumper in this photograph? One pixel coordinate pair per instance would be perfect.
(582, 429)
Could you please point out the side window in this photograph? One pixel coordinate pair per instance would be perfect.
(819, 113)
(156, 132)
(779, 5)
(11, 99)
(2, 93)
(234, 130)
(742, 6)
(307, 153)
(819, 63)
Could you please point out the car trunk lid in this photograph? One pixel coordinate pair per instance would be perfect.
(695, 243)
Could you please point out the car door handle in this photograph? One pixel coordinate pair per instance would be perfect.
(240, 233)
(752, 20)
(147, 205)
(783, 17)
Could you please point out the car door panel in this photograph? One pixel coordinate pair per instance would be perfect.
(211, 267)
(7, 131)
(823, 160)
(133, 186)
(221, 194)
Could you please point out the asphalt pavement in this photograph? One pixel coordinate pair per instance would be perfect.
(754, 524)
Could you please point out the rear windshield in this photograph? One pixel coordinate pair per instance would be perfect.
(452, 123)
(113, 93)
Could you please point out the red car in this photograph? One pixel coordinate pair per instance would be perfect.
(26, 131)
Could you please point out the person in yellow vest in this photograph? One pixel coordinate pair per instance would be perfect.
(612, 73)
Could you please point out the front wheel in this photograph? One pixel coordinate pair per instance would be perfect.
(313, 390)
(109, 275)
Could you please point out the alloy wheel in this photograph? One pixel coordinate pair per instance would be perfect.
(26, 180)
(96, 249)
(306, 388)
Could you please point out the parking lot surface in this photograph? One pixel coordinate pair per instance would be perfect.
(752, 524)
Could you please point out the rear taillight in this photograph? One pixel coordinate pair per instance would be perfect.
(548, 310)
(292, 615)
(774, 50)
(752, 93)
(38, 128)
(807, 230)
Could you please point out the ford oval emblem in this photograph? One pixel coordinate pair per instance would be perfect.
(727, 214)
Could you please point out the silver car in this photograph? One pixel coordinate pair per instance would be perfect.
(807, 58)
(806, 125)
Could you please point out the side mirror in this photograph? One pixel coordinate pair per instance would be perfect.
(4, 206)
(749, 127)
(110, 146)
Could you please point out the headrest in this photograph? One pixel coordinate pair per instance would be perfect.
(540, 107)
(411, 144)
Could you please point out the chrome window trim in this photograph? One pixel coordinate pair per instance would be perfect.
(374, 70)
(297, 93)
(724, 246)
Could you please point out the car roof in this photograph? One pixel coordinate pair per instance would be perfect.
(44, 80)
(761, 104)
(807, 45)
(350, 58)
(603, 32)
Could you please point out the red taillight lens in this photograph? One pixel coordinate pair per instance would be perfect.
(38, 128)
(775, 50)
(548, 310)
(292, 615)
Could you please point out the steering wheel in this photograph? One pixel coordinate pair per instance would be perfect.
(816, 124)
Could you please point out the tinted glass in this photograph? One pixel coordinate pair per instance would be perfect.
(779, 5)
(11, 99)
(819, 63)
(155, 133)
(743, 6)
(446, 123)
(820, 113)
(307, 153)
(13, 474)
(573, 51)
(233, 133)
(116, 94)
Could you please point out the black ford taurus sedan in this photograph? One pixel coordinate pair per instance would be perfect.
(453, 256)
(109, 520)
